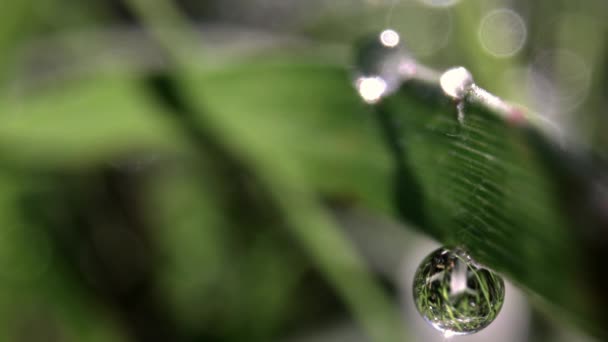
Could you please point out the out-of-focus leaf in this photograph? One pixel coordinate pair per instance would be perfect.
(37, 300)
(293, 195)
(307, 116)
(233, 275)
(12, 27)
(82, 122)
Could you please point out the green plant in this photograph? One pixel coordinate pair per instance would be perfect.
(188, 201)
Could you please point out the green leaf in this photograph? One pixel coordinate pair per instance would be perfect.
(83, 121)
(497, 188)
(503, 191)
(305, 115)
(37, 299)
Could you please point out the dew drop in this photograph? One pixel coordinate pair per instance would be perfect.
(456, 295)
(456, 82)
(382, 63)
(371, 89)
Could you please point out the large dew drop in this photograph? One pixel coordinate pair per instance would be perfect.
(382, 64)
(455, 294)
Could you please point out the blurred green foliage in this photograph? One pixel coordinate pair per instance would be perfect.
(182, 192)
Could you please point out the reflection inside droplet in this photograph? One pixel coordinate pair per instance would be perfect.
(456, 295)
(502, 33)
(371, 89)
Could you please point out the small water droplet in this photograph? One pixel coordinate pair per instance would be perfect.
(382, 64)
(456, 82)
(389, 38)
(455, 294)
(371, 89)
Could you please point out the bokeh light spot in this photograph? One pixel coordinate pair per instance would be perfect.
(389, 38)
(371, 89)
(502, 33)
(559, 81)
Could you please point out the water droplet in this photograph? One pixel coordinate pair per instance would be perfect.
(389, 38)
(455, 294)
(371, 89)
(382, 65)
(456, 82)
